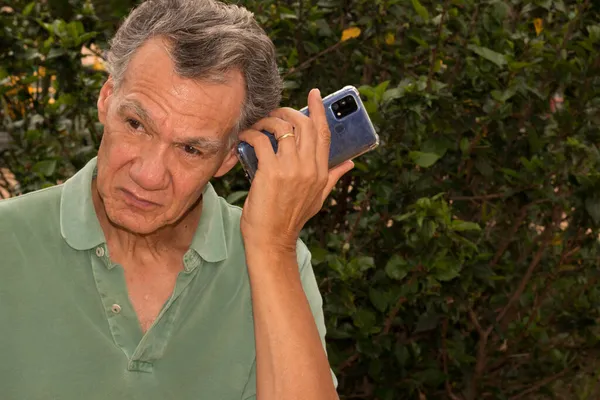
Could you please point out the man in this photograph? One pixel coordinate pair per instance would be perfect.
(133, 280)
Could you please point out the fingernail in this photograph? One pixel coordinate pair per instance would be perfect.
(319, 92)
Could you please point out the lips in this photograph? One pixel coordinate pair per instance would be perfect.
(138, 202)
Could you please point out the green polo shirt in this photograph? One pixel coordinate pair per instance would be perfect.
(69, 331)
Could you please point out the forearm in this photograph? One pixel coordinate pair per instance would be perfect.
(290, 360)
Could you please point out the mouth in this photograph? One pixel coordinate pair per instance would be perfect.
(138, 202)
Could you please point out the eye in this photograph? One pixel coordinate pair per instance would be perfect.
(191, 150)
(134, 124)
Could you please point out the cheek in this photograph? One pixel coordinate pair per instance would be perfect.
(113, 155)
(187, 187)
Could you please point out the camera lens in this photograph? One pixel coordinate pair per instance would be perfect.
(344, 107)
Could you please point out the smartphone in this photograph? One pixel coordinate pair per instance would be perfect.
(352, 132)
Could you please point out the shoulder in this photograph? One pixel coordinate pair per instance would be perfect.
(30, 213)
(31, 203)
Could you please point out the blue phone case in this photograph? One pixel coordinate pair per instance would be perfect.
(351, 135)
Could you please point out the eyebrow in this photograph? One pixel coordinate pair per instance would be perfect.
(136, 108)
(207, 144)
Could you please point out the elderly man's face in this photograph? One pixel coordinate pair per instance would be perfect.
(164, 138)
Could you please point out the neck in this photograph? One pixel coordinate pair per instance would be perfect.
(168, 241)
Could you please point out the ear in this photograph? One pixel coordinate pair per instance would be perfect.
(104, 99)
(228, 163)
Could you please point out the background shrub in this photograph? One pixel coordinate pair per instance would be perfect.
(460, 259)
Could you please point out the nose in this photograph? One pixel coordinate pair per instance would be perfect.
(149, 169)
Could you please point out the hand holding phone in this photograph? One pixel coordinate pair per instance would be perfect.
(352, 133)
(291, 185)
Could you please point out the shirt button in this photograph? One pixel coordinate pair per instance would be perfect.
(100, 251)
(116, 308)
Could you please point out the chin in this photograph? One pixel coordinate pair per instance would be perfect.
(137, 223)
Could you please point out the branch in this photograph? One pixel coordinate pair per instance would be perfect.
(496, 196)
(546, 239)
(349, 361)
(363, 207)
(482, 197)
(457, 66)
(511, 235)
(390, 318)
(313, 58)
(447, 384)
(569, 31)
(481, 355)
(541, 383)
(439, 42)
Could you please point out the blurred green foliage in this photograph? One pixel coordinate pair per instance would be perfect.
(460, 259)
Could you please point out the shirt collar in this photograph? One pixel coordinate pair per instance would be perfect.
(80, 228)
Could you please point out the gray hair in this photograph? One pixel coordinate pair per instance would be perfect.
(206, 39)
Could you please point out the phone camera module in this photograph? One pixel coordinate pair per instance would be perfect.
(344, 107)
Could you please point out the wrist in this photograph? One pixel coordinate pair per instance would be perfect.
(278, 248)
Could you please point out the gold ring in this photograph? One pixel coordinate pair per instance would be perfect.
(287, 135)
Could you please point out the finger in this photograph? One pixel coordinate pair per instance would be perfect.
(262, 145)
(305, 135)
(317, 115)
(334, 176)
(279, 127)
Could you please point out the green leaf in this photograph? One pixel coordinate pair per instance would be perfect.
(392, 94)
(460, 226)
(402, 354)
(484, 167)
(465, 144)
(236, 196)
(364, 319)
(318, 255)
(45, 168)
(323, 27)
(367, 91)
(361, 264)
(424, 160)
(490, 55)
(592, 206)
(28, 9)
(289, 85)
(446, 274)
(379, 299)
(56, 52)
(594, 31)
(420, 41)
(422, 11)
(380, 89)
(400, 218)
(397, 267)
(427, 322)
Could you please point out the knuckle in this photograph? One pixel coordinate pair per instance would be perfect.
(308, 174)
(262, 140)
(324, 133)
(288, 127)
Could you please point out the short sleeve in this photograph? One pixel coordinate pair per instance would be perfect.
(250, 388)
(315, 300)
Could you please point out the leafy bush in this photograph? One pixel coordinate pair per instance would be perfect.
(460, 259)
